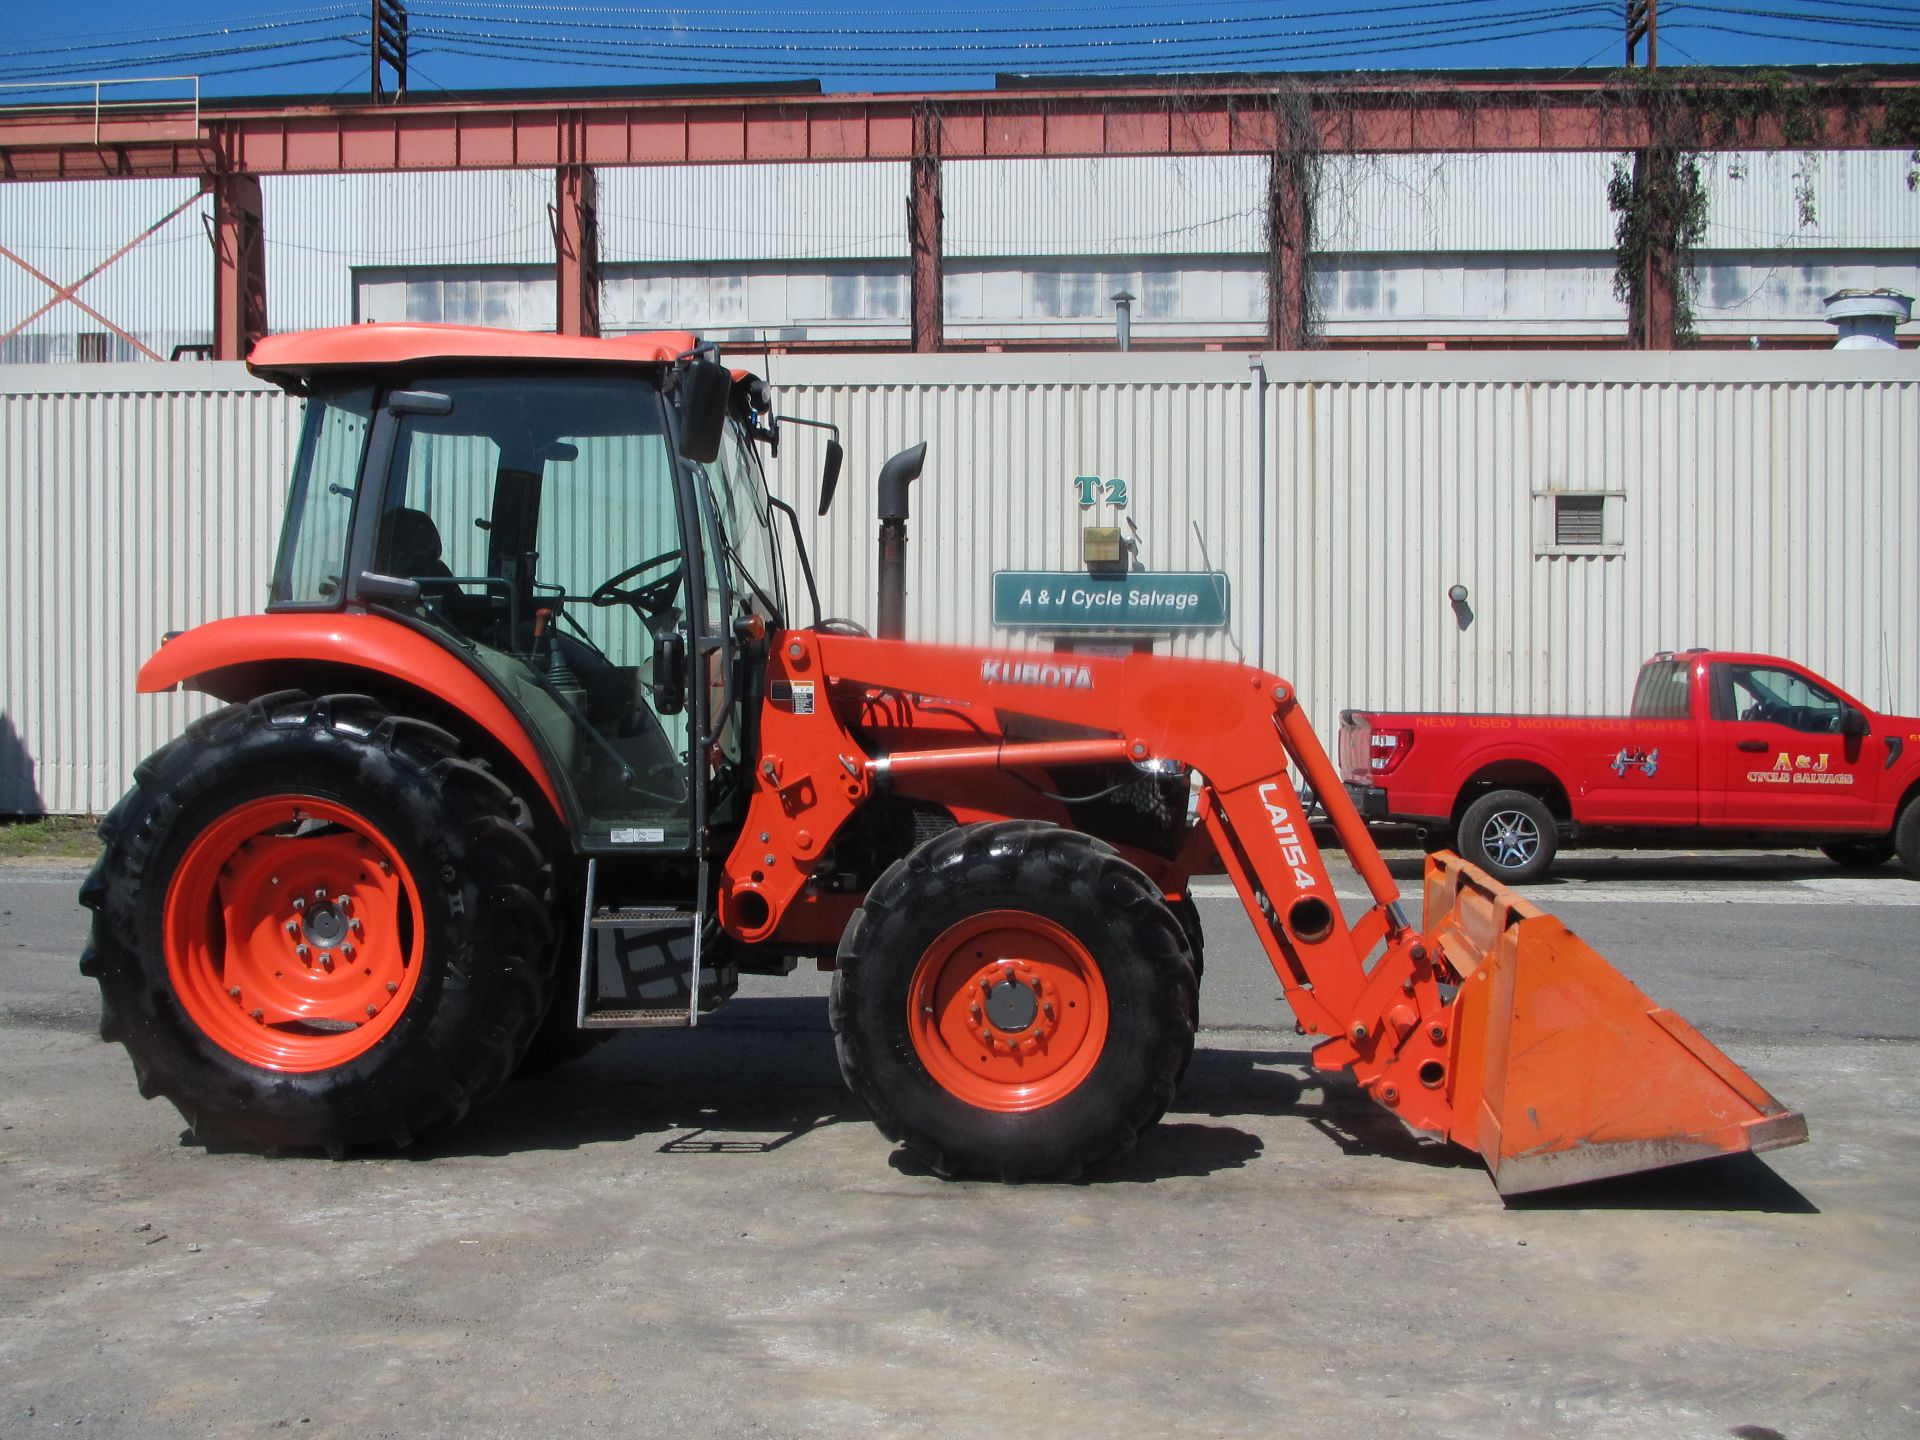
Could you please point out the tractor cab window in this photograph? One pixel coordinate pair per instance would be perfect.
(326, 476)
(541, 521)
(743, 564)
(751, 578)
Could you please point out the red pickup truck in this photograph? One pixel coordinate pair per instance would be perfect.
(1730, 744)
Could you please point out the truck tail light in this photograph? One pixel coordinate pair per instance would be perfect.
(1387, 749)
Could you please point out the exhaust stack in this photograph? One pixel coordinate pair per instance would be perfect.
(895, 476)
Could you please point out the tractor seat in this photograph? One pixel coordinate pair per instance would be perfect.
(412, 546)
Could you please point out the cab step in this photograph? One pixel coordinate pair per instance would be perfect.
(638, 968)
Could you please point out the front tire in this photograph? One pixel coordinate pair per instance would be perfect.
(316, 926)
(1906, 837)
(1868, 854)
(1014, 1000)
(1511, 835)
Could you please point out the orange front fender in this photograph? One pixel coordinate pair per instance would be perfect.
(226, 658)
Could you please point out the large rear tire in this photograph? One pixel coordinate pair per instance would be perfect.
(316, 926)
(1014, 1000)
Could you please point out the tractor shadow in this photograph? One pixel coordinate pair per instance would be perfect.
(762, 1075)
(1726, 1183)
(1575, 869)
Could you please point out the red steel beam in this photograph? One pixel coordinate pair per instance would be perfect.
(1410, 117)
(576, 250)
(239, 266)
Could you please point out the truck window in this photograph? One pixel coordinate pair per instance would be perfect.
(1767, 695)
(1662, 692)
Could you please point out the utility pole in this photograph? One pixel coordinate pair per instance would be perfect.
(1653, 311)
(1643, 23)
(387, 44)
(925, 243)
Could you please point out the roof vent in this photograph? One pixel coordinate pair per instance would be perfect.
(1866, 319)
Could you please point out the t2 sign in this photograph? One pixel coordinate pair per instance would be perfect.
(1093, 490)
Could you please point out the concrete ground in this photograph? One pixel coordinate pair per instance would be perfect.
(697, 1234)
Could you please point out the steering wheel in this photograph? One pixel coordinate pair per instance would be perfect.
(653, 598)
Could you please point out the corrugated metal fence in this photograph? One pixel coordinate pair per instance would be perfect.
(1769, 501)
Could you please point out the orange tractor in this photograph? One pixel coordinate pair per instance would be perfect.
(529, 746)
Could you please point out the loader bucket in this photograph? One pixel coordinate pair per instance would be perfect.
(1563, 1070)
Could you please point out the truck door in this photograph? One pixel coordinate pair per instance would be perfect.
(1786, 761)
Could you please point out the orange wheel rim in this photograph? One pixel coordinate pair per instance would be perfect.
(293, 934)
(1008, 1011)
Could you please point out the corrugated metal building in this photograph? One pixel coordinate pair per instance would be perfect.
(1764, 500)
(1509, 246)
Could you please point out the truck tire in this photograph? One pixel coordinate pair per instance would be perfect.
(1048, 944)
(317, 927)
(1510, 834)
(1867, 854)
(1906, 837)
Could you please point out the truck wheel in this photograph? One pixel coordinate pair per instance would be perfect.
(1906, 837)
(1014, 1000)
(1860, 854)
(1509, 834)
(317, 927)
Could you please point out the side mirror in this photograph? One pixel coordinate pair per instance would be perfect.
(669, 672)
(705, 390)
(1852, 722)
(830, 474)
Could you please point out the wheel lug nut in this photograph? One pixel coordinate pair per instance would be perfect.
(393, 987)
(354, 926)
(372, 1010)
(299, 902)
(258, 1014)
(293, 927)
(319, 894)
(345, 902)
(326, 959)
(234, 991)
(302, 952)
(347, 952)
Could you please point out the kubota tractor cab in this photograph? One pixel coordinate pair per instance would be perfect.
(530, 745)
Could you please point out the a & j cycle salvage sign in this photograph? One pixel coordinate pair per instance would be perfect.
(1143, 600)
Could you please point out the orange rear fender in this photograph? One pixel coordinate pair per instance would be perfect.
(225, 658)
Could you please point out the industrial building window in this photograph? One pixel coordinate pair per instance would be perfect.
(1579, 522)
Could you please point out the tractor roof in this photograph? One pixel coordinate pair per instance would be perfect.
(378, 346)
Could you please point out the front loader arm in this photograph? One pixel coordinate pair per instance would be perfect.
(1444, 1026)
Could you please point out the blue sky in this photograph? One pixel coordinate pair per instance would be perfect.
(468, 46)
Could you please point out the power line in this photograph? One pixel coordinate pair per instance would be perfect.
(1177, 48)
(1748, 33)
(430, 12)
(496, 49)
(1800, 18)
(322, 17)
(175, 58)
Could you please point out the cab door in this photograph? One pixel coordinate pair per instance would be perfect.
(1786, 760)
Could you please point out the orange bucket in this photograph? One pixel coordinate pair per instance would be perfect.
(1563, 1070)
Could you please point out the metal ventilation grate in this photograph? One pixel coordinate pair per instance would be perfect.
(1580, 520)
